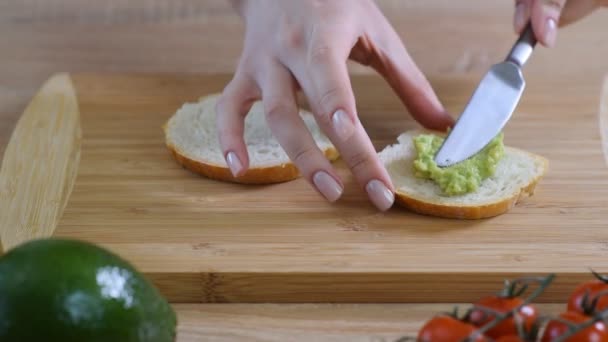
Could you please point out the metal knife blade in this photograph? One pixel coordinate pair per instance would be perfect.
(490, 107)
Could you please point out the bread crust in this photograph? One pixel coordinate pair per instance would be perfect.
(263, 175)
(474, 212)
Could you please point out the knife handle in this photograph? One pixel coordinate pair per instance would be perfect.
(522, 50)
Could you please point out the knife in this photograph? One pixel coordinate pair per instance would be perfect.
(491, 105)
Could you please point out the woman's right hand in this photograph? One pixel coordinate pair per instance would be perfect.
(548, 15)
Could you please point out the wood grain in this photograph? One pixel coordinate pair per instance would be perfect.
(206, 241)
(40, 164)
(309, 322)
(604, 118)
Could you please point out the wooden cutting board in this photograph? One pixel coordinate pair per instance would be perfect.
(199, 240)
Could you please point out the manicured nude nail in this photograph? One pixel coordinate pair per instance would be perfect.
(380, 195)
(520, 18)
(234, 163)
(343, 125)
(550, 32)
(327, 185)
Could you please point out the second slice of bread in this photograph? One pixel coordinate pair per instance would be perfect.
(191, 136)
(516, 176)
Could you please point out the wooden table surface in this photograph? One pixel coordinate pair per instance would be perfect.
(41, 37)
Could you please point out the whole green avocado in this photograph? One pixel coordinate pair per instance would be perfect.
(461, 178)
(70, 290)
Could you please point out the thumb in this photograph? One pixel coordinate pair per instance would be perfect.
(387, 55)
(545, 19)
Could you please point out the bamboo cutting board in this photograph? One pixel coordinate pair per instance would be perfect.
(99, 171)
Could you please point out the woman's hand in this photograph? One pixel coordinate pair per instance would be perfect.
(548, 15)
(293, 45)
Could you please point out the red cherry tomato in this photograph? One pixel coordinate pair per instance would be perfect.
(597, 288)
(554, 329)
(445, 328)
(528, 313)
(575, 302)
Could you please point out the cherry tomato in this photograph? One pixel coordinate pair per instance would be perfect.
(528, 313)
(445, 328)
(554, 329)
(592, 287)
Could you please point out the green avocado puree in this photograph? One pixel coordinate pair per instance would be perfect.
(460, 178)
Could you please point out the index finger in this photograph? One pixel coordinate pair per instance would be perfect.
(545, 16)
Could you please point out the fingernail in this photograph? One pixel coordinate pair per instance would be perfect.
(234, 163)
(327, 185)
(342, 124)
(550, 32)
(380, 195)
(520, 19)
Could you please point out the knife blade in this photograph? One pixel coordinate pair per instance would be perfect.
(491, 105)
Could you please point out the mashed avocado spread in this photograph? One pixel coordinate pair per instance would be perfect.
(460, 178)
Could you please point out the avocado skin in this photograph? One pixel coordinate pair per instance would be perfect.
(70, 290)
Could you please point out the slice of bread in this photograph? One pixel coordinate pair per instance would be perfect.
(191, 136)
(516, 176)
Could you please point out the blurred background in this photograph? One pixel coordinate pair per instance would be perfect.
(40, 37)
